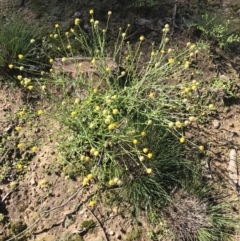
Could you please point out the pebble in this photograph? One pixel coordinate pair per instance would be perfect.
(216, 124)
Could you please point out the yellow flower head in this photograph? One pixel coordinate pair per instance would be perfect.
(19, 77)
(149, 155)
(64, 59)
(171, 61)
(135, 141)
(115, 111)
(90, 176)
(141, 38)
(69, 46)
(76, 101)
(17, 128)
(19, 166)
(143, 133)
(76, 21)
(20, 146)
(145, 150)
(32, 41)
(111, 182)
(56, 25)
(40, 112)
(92, 203)
(50, 60)
(201, 148)
(30, 87)
(74, 113)
(108, 69)
(109, 13)
(20, 56)
(10, 66)
(91, 11)
(182, 140)
(34, 149)
(149, 170)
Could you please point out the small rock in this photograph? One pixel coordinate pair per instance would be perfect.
(216, 124)
(111, 233)
(77, 14)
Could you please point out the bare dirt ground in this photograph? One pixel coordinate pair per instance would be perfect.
(53, 207)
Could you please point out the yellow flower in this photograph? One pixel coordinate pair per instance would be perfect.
(111, 127)
(69, 46)
(186, 90)
(93, 61)
(182, 140)
(108, 69)
(111, 182)
(149, 122)
(149, 155)
(151, 95)
(201, 148)
(152, 53)
(50, 60)
(74, 113)
(20, 146)
(12, 184)
(141, 38)
(21, 68)
(34, 149)
(211, 106)
(90, 176)
(109, 13)
(30, 87)
(91, 11)
(76, 21)
(17, 128)
(171, 60)
(145, 150)
(97, 108)
(149, 170)
(40, 112)
(20, 56)
(72, 30)
(43, 87)
(76, 101)
(95, 90)
(19, 77)
(85, 181)
(96, 153)
(42, 182)
(178, 124)
(50, 70)
(55, 35)
(143, 133)
(21, 113)
(92, 203)
(123, 35)
(194, 87)
(19, 166)
(66, 33)
(104, 30)
(192, 118)
(170, 124)
(192, 46)
(10, 66)
(135, 141)
(32, 41)
(64, 59)
(115, 111)
(141, 158)
(56, 25)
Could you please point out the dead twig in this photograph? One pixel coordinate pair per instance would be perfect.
(99, 223)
